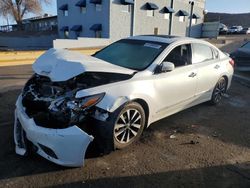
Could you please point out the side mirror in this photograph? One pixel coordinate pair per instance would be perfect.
(167, 67)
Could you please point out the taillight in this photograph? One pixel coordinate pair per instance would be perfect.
(232, 62)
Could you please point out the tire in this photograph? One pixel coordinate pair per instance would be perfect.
(219, 90)
(129, 125)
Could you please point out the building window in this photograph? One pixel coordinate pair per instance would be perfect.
(126, 8)
(195, 18)
(66, 34)
(182, 15)
(166, 16)
(77, 29)
(150, 13)
(65, 12)
(98, 4)
(150, 8)
(194, 21)
(65, 31)
(182, 18)
(97, 28)
(82, 5)
(126, 5)
(98, 7)
(167, 11)
(83, 10)
(64, 8)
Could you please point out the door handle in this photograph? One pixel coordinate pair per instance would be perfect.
(217, 66)
(193, 74)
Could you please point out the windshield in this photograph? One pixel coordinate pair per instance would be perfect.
(132, 54)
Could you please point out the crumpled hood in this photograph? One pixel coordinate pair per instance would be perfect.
(62, 65)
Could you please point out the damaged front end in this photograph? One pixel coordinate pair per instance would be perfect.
(53, 104)
(57, 124)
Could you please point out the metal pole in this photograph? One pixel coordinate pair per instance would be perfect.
(191, 17)
(134, 16)
(132, 19)
(7, 23)
(171, 19)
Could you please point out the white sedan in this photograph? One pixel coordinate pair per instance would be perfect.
(111, 97)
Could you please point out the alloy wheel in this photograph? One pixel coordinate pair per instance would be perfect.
(128, 126)
(220, 90)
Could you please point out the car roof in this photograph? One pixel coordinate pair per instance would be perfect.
(162, 38)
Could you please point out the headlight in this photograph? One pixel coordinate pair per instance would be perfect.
(89, 101)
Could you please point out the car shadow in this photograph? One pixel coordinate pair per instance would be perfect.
(214, 176)
(227, 122)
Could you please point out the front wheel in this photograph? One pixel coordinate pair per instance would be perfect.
(219, 91)
(129, 125)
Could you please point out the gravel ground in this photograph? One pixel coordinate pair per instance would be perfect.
(210, 148)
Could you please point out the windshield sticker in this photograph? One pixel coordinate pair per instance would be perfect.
(151, 45)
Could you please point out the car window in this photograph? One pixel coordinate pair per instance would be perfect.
(132, 54)
(201, 53)
(180, 56)
(246, 46)
(216, 54)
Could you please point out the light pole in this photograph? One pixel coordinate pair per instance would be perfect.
(171, 18)
(191, 17)
(133, 9)
(7, 23)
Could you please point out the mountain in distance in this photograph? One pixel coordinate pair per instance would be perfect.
(229, 20)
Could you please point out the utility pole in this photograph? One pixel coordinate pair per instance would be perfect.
(7, 23)
(132, 27)
(171, 19)
(191, 17)
(132, 20)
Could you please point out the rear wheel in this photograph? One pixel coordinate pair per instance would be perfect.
(219, 91)
(129, 125)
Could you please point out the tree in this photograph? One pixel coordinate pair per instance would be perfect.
(17, 9)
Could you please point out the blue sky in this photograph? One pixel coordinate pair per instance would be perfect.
(51, 9)
(226, 6)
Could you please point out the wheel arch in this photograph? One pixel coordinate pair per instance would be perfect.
(227, 79)
(145, 107)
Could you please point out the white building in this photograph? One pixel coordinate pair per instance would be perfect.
(115, 19)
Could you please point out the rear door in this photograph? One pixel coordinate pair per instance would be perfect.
(207, 63)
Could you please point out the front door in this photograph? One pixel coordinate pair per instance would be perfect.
(177, 87)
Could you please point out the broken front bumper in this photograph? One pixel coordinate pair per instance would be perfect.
(65, 147)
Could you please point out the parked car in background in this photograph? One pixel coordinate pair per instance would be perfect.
(111, 97)
(235, 29)
(245, 30)
(223, 29)
(242, 57)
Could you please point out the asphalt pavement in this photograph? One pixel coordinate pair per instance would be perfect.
(204, 146)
